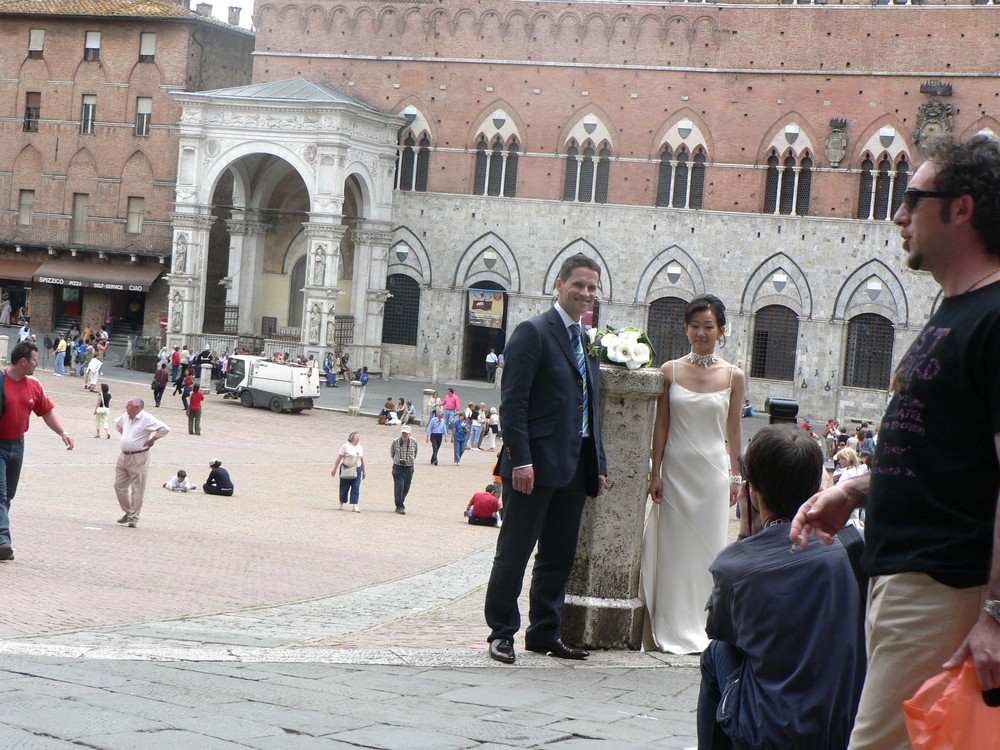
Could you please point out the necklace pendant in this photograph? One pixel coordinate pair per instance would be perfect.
(704, 360)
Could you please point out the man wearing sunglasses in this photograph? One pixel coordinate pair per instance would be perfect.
(931, 531)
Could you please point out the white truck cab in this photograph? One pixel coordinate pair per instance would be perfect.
(279, 386)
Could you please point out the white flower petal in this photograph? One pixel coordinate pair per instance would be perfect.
(592, 335)
(630, 336)
(609, 341)
(641, 354)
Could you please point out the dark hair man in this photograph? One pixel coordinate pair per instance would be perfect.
(553, 459)
(788, 655)
(23, 396)
(931, 496)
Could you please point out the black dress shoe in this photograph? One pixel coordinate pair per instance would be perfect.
(502, 649)
(558, 649)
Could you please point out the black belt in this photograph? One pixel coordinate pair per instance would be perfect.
(405, 466)
(132, 453)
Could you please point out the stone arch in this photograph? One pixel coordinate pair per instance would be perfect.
(574, 129)
(296, 250)
(205, 187)
(755, 296)
(651, 283)
(775, 138)
(596, 23)
(263, 185)
(511, 281)
(985, 124)
(365, 182)
(579, 245)
(668, 133)
(417, 264)
(868, 141)
(422, 122)
(853, 297)
(481, 124)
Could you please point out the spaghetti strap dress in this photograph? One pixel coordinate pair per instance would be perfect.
(689, 527)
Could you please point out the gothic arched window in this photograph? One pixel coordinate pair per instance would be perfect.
(775, 335)
(869, 351)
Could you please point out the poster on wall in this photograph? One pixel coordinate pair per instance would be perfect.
(486, 308)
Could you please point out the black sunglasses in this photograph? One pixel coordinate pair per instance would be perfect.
(912, 196)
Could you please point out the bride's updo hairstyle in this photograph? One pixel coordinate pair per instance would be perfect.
(714, 305)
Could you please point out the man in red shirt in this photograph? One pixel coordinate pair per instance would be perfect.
(484, 508)
(23, 395)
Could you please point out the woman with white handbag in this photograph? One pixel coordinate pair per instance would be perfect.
(350, 467)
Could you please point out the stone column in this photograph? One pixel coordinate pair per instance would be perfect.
(371, 253)
(187, 276)
(246, 264)
(425, 409)
(321, 292)
(602, 607)
(354, 408)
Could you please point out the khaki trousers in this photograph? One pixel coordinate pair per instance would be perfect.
(130, 481)
(914, 625)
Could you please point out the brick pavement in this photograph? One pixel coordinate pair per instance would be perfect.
(274, 620)
(281, 538)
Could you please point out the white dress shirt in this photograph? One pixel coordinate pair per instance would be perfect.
(136, 432)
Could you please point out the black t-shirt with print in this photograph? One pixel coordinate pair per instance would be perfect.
(935, 477)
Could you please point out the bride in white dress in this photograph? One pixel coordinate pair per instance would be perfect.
(697, 438)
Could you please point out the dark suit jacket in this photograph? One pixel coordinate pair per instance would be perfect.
(541, 404)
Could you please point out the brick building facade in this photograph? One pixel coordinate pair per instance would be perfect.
(752, 150)
(88, 150)
(756, 151)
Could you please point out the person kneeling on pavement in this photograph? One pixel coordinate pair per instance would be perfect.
(787, 662)
(484, 508)
(179, 483)
(218, 482)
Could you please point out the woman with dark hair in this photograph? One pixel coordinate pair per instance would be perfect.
(351, 466)
(697, 439)
(101, 411)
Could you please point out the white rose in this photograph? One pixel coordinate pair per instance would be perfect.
(640, 356)
(630, 337)
(592, 335)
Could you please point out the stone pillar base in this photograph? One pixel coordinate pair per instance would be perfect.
(354, 408)
(603, 623)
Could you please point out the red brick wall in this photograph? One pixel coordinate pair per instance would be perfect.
(739, 71)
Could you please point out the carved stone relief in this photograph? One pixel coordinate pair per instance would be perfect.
(935, 119)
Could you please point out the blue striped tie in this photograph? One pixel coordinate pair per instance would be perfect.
(581, 365)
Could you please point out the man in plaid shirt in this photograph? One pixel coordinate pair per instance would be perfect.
(404, 454)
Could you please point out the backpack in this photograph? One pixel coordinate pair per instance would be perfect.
(364, 378)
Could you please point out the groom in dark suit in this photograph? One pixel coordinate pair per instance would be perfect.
(552, 460)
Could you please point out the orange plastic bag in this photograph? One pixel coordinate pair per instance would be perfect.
(948, 713)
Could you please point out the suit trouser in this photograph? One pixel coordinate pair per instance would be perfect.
(549, 516)
(914, 625)
(130, 481)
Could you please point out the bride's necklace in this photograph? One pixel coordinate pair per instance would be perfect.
(704, 360)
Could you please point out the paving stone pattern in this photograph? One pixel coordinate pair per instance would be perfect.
(275, 620)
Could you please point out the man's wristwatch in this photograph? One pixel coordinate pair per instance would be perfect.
(992, 608)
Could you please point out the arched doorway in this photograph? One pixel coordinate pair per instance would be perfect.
(485, 326)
